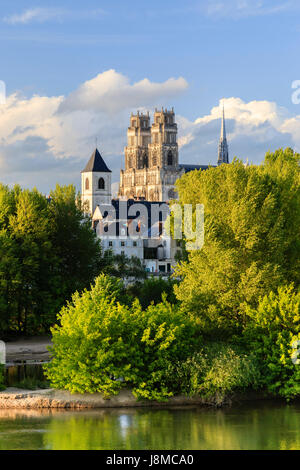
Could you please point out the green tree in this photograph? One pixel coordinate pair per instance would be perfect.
(252, 237)
(102, 345)
(272, 331)
(75, 244)
(48, 250)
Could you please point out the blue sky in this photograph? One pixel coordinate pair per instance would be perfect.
(52, 53)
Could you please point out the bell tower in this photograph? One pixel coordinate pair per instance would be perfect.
(95, 183)
(163, 150)
(138, 139)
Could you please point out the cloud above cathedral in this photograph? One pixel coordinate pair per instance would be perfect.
(111, 92)
(253, 128)
(44, 140)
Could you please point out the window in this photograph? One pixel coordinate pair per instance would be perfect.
(87, 184)
(170, 158)
(101, 183)
(122, 252)
(122, 243)
(110, 243)
(134, 243)
(145, 160)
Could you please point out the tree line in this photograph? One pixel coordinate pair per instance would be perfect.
(47, 252)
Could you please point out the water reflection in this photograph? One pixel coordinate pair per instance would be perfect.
(253, 426)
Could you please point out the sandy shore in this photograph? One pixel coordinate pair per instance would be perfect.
(49, 398)
(13, 398)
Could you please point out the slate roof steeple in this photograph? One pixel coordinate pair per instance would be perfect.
(96, 164)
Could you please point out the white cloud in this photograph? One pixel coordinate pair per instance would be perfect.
(246, 8)
(41, 145)
(63, 140)
(41, 15)
(111, 91)
(252, 129)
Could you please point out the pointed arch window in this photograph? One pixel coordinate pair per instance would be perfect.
(87, 184)
(101, 183)
(170, 158)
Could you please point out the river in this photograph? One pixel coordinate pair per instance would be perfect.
(263, 425)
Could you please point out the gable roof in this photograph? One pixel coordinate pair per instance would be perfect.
(96, 163)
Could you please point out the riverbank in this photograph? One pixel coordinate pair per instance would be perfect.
(13, 398)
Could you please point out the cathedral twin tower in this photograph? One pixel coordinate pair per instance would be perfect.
(151, 157)
(151, 163)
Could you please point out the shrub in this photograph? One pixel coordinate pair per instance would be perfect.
(103, 345)
(274, 327)
(215, 372)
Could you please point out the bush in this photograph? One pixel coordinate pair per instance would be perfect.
(103, 345)
(215, 372)
(274, 327)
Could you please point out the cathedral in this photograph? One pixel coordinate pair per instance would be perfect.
(151, 163)
(151, 157)
(151, 170)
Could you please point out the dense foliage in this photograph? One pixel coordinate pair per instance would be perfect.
(273, 329)
(152, 291)
(47, 251)
(252, 238)
(215, 372)
(228, 322)
(102, 345)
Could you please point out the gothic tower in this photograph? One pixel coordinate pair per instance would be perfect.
(151, 158)
(223, 156)
(138, 137)
(95, 183)
(163, 150)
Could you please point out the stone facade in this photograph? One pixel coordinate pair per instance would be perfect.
(151, 158)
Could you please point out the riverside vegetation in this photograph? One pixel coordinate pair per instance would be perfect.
(228, 324)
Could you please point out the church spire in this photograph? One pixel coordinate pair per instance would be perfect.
(223, 146)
